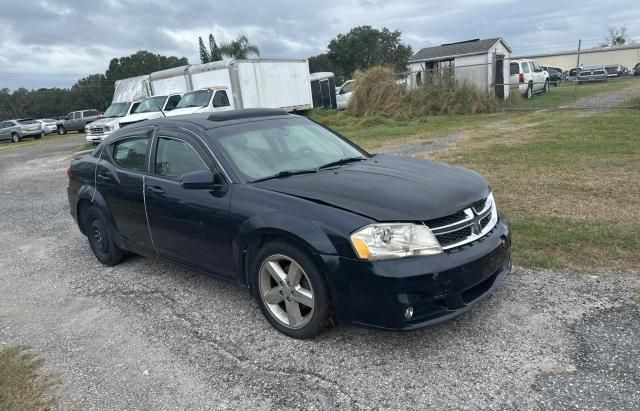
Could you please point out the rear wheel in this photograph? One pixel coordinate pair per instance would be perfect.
(15, 137)
(290, 290)
(101, 239)
(529, 93)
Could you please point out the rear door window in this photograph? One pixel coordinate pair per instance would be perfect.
(525, 67)
(131, 153)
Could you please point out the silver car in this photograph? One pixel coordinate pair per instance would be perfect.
(16, 130)
(592, 73)
(49, 125)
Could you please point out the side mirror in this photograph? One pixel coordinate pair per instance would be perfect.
(202, 180)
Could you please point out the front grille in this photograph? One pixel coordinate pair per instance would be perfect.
(453, 237)
(465, 226)
(96, 130)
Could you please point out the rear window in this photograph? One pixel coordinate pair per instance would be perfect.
(27, 121)
(515, 68)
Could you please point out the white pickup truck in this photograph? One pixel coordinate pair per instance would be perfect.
(110, 121)
(150, 108)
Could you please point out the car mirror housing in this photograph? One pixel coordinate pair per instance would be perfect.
(202, 180)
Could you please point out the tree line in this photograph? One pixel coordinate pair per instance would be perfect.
(361, 48)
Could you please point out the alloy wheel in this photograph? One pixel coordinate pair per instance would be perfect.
(286, 291)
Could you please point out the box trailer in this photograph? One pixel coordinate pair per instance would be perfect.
(323, 90)
(131, 89)
(170, 81)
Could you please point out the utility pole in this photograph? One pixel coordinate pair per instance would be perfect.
(575, 88)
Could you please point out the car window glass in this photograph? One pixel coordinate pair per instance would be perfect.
(514, 68)
(525, 67)
(69, 116)
(346, 89)
(131, 153)
(175, 158)
(77, 115)
(220, 99)
(172, 103)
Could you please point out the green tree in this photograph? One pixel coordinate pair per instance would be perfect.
(214, 50)
(364, 47)
(93, 91)
(239, 48)
(205, 57)
(139, 63)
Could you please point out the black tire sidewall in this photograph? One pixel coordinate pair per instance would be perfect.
(320, 291)
(113, 254)
(61, 130)
(15, 137)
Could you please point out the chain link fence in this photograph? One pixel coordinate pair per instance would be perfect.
(592, 77)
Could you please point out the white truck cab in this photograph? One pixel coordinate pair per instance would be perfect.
(110, 121)
(206, 100)
(150, 108)
(344, 93)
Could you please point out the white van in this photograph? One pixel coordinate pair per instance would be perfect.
(150, 108)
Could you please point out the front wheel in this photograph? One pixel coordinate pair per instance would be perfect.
(62, 130)
(290, 290)
(101, 239)
(15, 137)
(546, 86)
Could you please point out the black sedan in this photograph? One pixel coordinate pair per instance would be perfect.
(315, 227)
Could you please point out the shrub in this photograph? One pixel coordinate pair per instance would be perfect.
(376, 93)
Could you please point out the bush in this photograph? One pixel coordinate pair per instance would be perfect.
(376, 93)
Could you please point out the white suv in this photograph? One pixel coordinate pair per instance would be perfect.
(529, 77)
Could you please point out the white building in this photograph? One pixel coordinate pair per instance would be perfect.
(482, 63)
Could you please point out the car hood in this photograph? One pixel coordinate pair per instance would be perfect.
(105, 121)
(389, 188)
(185, 110)
(135, 117)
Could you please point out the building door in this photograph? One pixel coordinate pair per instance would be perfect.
(499, 76)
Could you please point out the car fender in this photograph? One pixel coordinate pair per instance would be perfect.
(90, 193)
(300, 231)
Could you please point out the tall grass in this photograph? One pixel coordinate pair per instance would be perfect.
(377, 94)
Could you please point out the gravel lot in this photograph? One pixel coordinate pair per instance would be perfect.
(149, 335)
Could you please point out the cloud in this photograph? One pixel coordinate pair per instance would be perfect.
(54, 42)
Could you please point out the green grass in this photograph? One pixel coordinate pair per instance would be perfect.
(8, 145)
(23, 385)
(568, 180)
(564, 94)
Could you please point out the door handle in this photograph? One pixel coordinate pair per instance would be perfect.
(104, 177)
(155, 189)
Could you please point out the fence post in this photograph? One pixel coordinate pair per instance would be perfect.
(493, 74)
(575, 88)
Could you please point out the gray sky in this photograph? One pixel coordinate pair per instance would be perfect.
(48, 43)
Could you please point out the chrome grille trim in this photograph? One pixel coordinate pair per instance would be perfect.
(472, 219)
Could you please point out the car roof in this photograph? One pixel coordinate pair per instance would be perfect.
(214, 120)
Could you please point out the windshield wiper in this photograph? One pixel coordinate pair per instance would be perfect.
(341, 161)
(285, 173)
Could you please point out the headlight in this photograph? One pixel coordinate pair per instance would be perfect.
(396, 240)
(108, 128)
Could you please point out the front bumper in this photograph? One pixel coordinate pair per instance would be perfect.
(439, 287)
(96, 138)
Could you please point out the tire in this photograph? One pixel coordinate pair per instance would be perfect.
(529, 93)
(101, 238)
(15, 137)
(38, 137)
(62, 130)
(295, 305)
(546, 86)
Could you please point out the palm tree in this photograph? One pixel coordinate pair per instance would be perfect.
(239, 48)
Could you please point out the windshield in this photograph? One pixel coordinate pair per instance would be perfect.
(117, 110)
(151, 104)
(265, 148)
(195, 99)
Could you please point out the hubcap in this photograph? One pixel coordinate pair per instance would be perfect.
(98, 238)
(286, 291)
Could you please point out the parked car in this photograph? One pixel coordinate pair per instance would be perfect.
(301, 216)
(16, 130)
(614, 70)
(572, 74)
(150, 108)
(555, 74)
(344, 93)
(636, 70)
(109, 121)
(207, 100)
(592, 74)
(529, 77)
(77, 121)
(49, 125)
